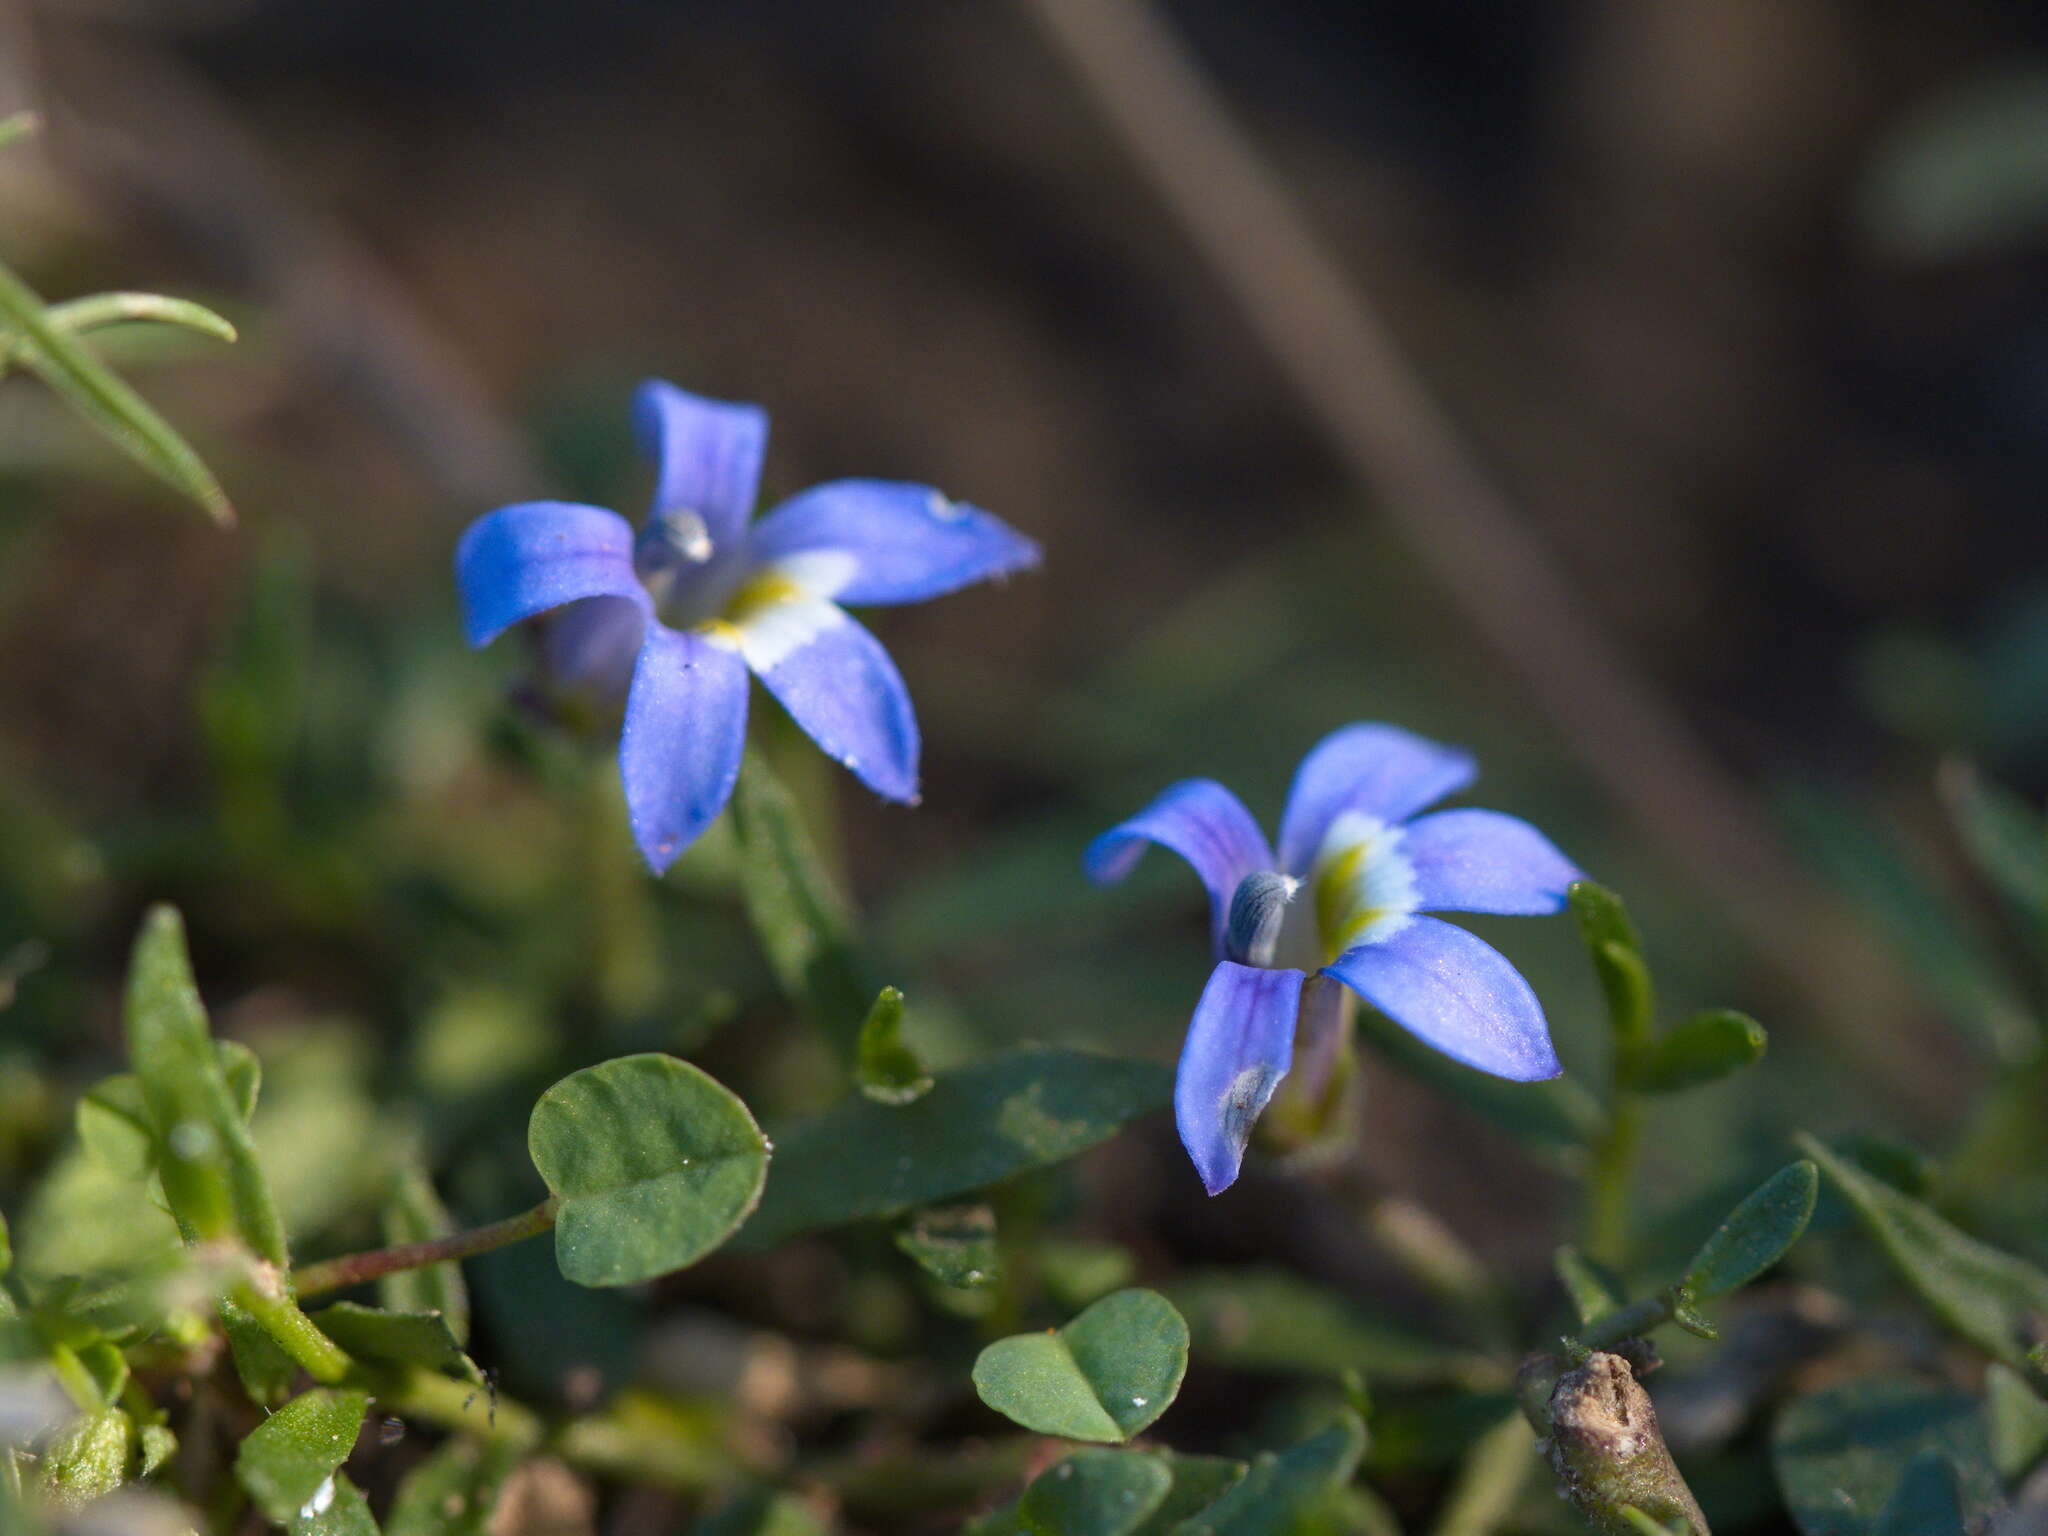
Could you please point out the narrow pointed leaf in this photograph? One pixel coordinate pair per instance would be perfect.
(1104, 1376)
(396, 1338)
(96, 311)
(652, 1162)
(98, 394)
(204, 1154)
(1989, 1297)
(886, 1069)
(1756, 1234)
(114, 1124)
(1094, 1493)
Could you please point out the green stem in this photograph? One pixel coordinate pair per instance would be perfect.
(318, 1355)
(465, 1407)
(355, 1268)
(1609, 1177)
(1629, 1322)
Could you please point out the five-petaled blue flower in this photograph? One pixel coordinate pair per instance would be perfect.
(1368, 868)
(675, 616)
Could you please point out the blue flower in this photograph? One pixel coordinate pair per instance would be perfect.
(1366, 868)
(675, 616)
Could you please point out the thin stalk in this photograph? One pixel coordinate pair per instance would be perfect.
(1609, 1176)
(355, 1268)
(1629, 1322)
(318, 1355)
(459, 1405)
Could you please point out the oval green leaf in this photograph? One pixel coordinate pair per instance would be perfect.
(1756, 1234)
(1705, 1048)
(652, 1162)
(1280, 1492)
(1103, 1377)
(288, 1462)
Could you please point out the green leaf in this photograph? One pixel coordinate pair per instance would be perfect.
(1989, 1297)
(980, 1124)
(98, 394)
(954, 1244)
(1757, 1233)
(337, 1508)
(114, 1123)
(1104, 1376)
(653, 1163)
(1617, 949)
(1094, 1493)
(98, 310)
(885, 1069)
(267, 1372)
(1838, 1452)
(798, 914)
(287, 1463)
(396, 1338)
(1593, 1287)
(1704, 1049)
(88, 1458)
(414, 1214)
(2006, 837)
(1198, 1482)
(1281, 1491)
(204, 1153)
(1927, 1502)
(454, 1491)
(159, 1445)
(2017, 1416)
(1272, 1320)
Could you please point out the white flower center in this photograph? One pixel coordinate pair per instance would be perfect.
(1363, 883)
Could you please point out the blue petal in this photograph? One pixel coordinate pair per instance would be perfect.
(1456, 993)
(686, 725)
(1381, 770)
(838, 683)
(1202, 822)
(595, 643)
(907, 542)
(522, 560)
(708, 459)
(1238, 1048)
(1482, 861)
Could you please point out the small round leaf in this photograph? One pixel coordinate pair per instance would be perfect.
(1103, 1377)
(653, 1164)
